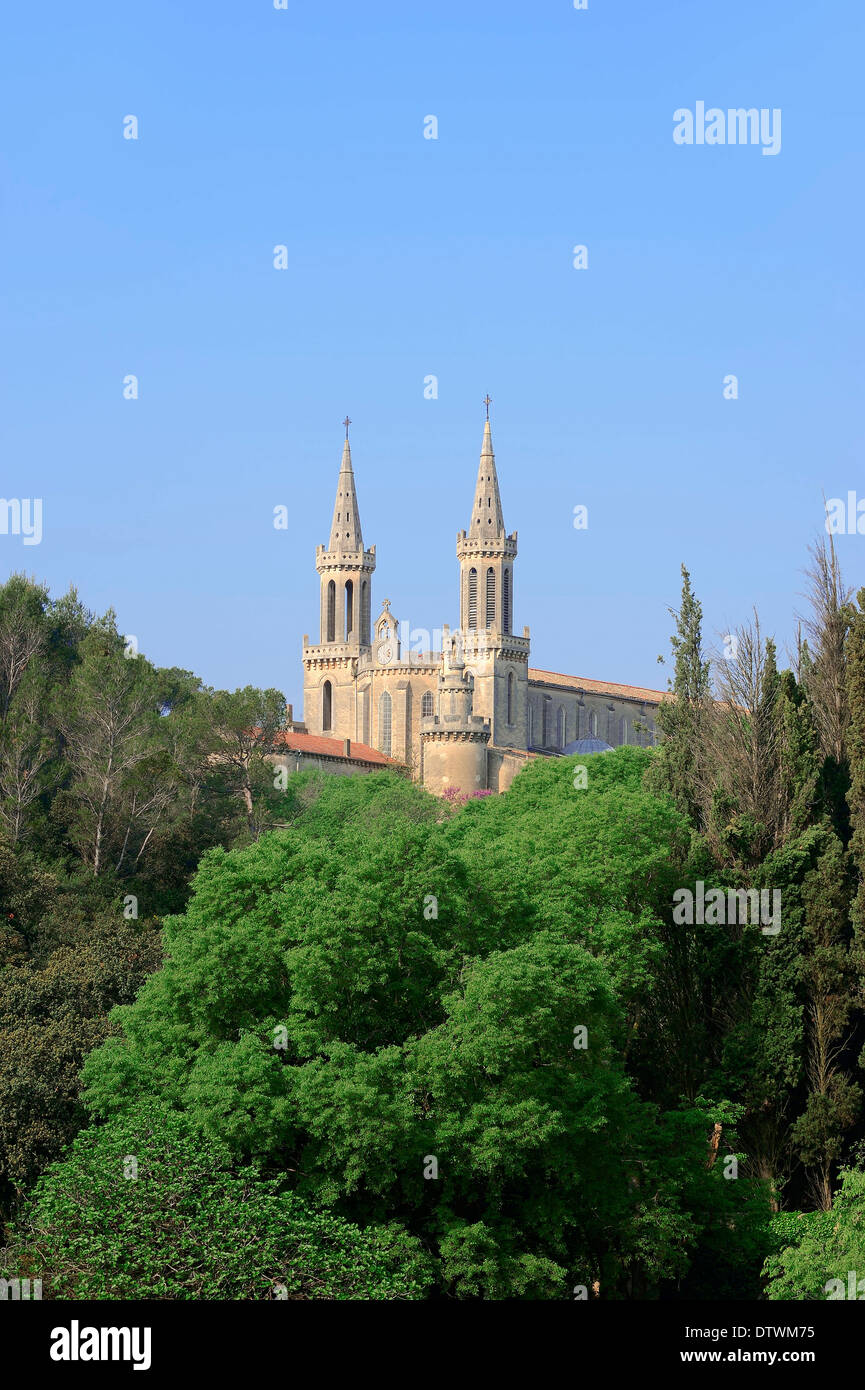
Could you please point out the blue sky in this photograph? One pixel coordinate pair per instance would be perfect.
(410, 257)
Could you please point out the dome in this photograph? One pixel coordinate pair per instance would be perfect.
(587, 745)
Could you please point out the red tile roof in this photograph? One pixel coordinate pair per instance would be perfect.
(333, 748)
(622, 692)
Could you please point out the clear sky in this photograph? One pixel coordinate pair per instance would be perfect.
(410, 257)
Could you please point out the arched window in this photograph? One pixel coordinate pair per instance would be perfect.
(364, 612)
(491, 597)
(623, 730)
(511, 684)
(349, 609)
(331, 612)
(506, 602)
(473, 598)
(326, 707)
(593, 723)
(384, 708)
(531, 725)
(427, 705)
(544, 719)
(581, 721)
(560, 728)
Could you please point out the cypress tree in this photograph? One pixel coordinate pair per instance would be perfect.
(856, 748)
(678, 768)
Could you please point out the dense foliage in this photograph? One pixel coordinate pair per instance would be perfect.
(114, 778)
(821, 1254)
(426, 1020)
(143, 1208)
(462, 1048)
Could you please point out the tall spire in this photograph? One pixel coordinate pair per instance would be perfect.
(345, 532)
(487, 520)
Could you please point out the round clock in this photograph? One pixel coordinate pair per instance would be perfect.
(385, 653)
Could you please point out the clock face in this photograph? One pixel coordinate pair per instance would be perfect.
(384, 653)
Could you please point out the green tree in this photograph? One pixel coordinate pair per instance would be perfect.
(144, 1209)
(827, 626)
(29, 762)
(245, 725)
(816, 1251)
(378, 991)
(678, 768)
(54, 1007)
(108, 717)
(23, 633)
(831, 980)
(856, 795)
(798, 757)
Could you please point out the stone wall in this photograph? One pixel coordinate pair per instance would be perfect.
(614, 718)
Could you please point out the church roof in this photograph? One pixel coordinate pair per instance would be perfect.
(621, 692)
(332, 748)
(586, 745)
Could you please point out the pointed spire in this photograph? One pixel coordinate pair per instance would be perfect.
(487, 519)
(345, 532)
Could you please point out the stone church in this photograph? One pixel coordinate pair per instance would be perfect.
(466, 717)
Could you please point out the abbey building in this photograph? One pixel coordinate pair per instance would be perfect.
(468, 716)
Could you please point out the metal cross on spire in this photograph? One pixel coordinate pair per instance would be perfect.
(488, 400)
(346, 422)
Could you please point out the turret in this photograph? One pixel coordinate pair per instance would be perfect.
(454, 740)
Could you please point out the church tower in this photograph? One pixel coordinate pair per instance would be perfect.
(345, 581)
(495, 659)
